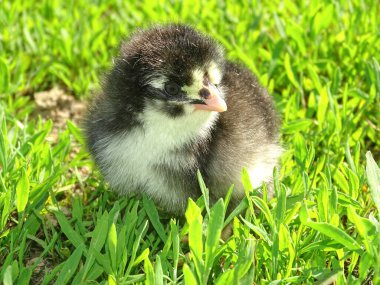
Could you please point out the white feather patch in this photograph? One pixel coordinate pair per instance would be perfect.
(262, 167)
(158, 82)
(192, 91)
(214, 74)
(130, 157)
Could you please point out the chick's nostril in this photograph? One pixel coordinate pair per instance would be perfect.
(204, 93)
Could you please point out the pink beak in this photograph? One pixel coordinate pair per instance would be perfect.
(213, 102)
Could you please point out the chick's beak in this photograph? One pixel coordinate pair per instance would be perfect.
(212, 100)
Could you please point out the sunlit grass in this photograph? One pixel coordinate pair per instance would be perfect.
(320, 62)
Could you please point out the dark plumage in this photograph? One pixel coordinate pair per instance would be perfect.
(161, 117)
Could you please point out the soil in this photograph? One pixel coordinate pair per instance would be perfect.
(57, 105)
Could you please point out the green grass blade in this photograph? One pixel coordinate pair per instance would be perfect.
(98, 240)
(112, 244)
(373, 176)
(195, 221)
(158, 274)
(22, 191)
(75, 238)
(70, 266)
(152, 213)
(149, 273)
(189, 276)
(330, 231)
(214, 230)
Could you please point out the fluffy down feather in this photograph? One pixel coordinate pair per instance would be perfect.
(148, 137)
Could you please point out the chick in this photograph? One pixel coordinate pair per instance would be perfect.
(171, 105)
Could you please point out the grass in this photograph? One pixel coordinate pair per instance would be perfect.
(319, 60)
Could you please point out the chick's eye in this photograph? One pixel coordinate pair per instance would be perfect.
(172, 88)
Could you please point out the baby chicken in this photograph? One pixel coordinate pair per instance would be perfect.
(171, 105)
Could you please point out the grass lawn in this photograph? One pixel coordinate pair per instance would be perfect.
(60, 223)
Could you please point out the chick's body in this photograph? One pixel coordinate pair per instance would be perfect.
(162, 116)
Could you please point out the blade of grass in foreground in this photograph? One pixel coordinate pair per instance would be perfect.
(152, 213)
(214, 231)
(373, 176)
(73, 236)
(22, 192)
(195, 221)
(70, 266)
(97, 241)
(330, 231)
